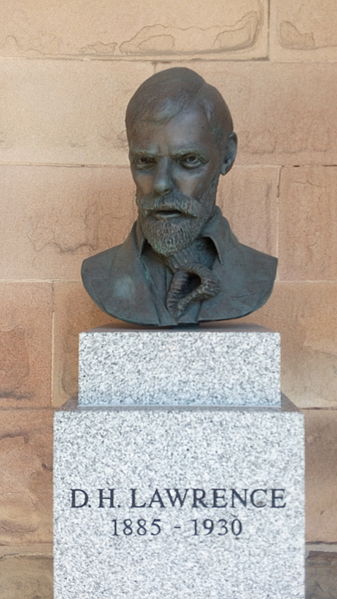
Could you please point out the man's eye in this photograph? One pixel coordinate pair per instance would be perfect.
(144, 162)
(191, 161)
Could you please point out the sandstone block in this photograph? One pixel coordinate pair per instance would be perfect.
(127, 29)
(277, 116)
(25, 576)
(69, 112)
(305, 315)
(25, 344)
(321, 575)
(305, 31)
(74, 312)
(248, 198)
(321, 473)
(25, 477)
(75, 212)
(70, 213)
(308, 216)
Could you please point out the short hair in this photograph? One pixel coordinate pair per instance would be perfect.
(165, 94)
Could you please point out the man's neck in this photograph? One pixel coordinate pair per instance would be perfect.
(201, 251)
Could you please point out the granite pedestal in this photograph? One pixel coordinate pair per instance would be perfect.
(222, 365)
(155, 502)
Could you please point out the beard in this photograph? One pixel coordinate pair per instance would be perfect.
(170, 235)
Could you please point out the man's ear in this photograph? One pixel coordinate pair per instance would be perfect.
(230, 153)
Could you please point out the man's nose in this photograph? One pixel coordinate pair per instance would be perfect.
(162, 183)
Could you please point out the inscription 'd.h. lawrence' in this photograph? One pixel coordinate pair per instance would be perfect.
(179, 498)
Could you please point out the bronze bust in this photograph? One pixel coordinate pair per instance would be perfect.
(181, 264)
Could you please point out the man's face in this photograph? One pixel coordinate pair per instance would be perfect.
(176, 167)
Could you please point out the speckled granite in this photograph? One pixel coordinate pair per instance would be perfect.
(144, 456)
(196, 366)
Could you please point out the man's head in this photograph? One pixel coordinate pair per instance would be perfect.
(181, 139)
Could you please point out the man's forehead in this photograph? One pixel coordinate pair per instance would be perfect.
(189, 127)
(169, 108)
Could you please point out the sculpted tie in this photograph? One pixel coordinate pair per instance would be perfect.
(193, 279)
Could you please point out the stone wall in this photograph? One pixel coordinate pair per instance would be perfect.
(67, 72)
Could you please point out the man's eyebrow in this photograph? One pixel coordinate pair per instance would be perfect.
(188, 150)
(142, 152)
(176, 154)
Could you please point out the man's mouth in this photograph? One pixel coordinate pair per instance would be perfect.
(166, 213)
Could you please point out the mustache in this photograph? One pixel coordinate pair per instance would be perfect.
(172, 201)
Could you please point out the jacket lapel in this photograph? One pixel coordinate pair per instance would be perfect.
(125, 287)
